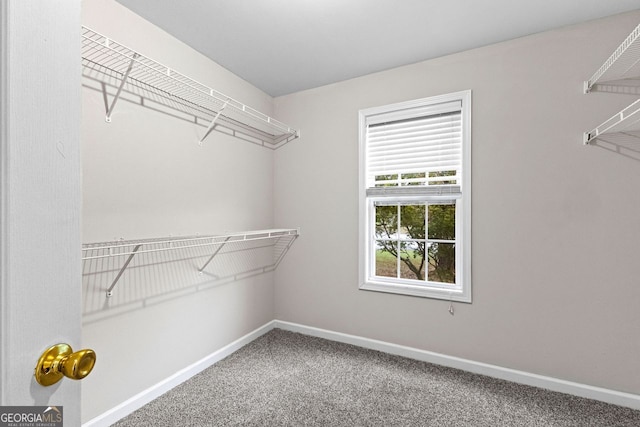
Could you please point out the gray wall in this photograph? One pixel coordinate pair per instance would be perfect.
(555, 223)
(144, 175)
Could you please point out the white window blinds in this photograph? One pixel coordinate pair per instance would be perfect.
(417, 146)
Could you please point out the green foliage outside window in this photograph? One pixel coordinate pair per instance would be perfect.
(400, 234)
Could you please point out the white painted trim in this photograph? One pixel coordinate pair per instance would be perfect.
(366, 213)
(139, 400)
(4, 201)
(582, 390)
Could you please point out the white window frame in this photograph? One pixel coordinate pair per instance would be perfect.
(461, 291)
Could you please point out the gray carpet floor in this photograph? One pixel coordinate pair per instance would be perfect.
(288, 379)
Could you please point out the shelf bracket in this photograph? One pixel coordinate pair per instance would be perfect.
(117, 96)
(214, 255)
(284, 251)
(213, 123)
(124, 267)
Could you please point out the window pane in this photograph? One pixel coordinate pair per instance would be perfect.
(386, 180)
(413, 178)
(442, 222)
(387, 221)
(412, 221)
(386, 260)
(442, 262)
(440, 178)
(412, 262)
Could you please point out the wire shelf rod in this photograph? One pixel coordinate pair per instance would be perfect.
(248, 234)
(109, 247)
(170, 245)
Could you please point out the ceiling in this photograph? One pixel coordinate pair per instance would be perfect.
(285, 46)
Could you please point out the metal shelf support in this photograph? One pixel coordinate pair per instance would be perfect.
(122, 83)
(282, 254)
(124, 267)
(214, 255)
(213, 122)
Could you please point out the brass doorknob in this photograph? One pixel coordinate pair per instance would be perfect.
(61, 361)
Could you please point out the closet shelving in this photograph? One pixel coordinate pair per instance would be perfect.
(280, 240)
(620, 70)
(127, 68)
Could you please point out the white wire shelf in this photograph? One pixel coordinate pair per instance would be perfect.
(626, 121)
(621, 71)
(623, 66)
(280, 240)
(139, 74)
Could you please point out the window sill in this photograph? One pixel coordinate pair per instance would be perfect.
(417, 291)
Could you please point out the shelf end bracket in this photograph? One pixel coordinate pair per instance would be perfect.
(285, 250)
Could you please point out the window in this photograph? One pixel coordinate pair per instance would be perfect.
(415, 197)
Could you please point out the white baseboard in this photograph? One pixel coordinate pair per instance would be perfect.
(582, 390)
(139, 400)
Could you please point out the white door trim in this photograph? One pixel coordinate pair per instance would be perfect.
(4, 177)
